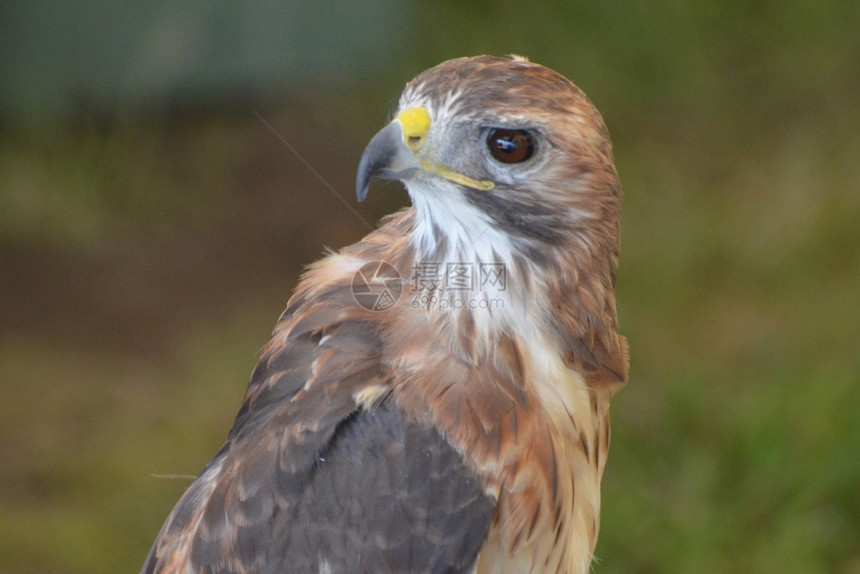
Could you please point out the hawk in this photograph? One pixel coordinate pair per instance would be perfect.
(435, 398)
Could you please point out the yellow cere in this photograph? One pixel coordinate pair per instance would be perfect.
(415, 123)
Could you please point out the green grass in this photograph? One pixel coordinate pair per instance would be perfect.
(90, 442)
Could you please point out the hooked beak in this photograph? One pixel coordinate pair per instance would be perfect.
(391, 154)
(385, 156)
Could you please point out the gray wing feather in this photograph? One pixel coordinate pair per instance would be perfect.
(309, 482)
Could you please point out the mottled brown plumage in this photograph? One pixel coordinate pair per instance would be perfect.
(465, 426)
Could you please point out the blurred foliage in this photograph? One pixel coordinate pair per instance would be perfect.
(145, 256)
(57, 58)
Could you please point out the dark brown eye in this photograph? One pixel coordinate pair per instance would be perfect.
(510, 146)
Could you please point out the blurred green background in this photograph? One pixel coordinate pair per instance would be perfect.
(152, 227)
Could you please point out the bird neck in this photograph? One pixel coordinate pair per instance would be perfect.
(565, 287)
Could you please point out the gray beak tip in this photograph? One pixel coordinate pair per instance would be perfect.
(361, 190)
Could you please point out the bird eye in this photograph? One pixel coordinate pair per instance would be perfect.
(510, 146)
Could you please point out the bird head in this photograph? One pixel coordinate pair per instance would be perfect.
(501, 151)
